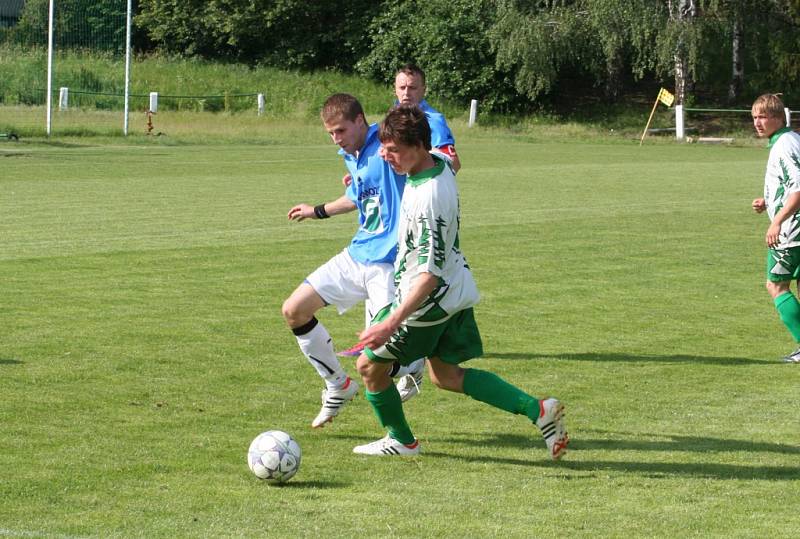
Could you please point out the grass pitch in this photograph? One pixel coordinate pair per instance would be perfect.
(142, 348)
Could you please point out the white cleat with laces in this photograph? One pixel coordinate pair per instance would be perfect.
(388, 446)
(333, 400)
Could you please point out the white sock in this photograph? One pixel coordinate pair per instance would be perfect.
(414, 367)
(317, 346)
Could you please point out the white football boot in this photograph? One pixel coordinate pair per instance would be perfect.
(388, 446)
(333, 400)
(551, 423)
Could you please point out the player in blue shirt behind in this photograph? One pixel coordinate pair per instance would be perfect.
(409, 87)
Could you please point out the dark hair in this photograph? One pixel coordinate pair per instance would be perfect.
(406, 125)
(411, 70)
(341, 106)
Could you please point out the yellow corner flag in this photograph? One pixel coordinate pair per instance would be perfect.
(665, 97)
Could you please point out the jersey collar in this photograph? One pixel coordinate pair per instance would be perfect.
(427, 174)
(774, 138)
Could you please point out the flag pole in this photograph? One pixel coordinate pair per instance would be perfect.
(650, 119)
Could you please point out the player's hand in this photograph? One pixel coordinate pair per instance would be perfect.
(773, 235)
(377, 335)
(347, 179)
(759, 205)
(300, 212)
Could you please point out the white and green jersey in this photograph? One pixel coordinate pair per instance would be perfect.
(428, 243)
(781, 180)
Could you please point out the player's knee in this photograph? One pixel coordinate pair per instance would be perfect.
(294, 314)
(371, 372)
(363, 365)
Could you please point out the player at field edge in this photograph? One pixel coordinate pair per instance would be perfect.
(363, 271)
(432, 312)
(781, 201)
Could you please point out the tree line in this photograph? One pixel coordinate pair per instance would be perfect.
(512, 55)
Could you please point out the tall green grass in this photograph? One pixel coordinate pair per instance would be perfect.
(289, 94)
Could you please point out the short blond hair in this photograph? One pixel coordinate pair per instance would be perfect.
(769, 104)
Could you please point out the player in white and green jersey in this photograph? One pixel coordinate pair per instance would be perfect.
(431, 315)
(782, 204)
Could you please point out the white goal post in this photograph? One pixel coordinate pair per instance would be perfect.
(50, 41)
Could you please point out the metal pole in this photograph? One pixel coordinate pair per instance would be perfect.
(127, 69)
(50, 68)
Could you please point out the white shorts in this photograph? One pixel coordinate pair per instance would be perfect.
(343, 282)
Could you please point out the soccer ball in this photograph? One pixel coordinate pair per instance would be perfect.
(274, 456)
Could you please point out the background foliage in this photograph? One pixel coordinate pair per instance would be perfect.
(513, 55)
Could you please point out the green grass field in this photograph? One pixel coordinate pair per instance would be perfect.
(142, 347)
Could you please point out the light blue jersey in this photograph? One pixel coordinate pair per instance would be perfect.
(376, 190)
(440, 132)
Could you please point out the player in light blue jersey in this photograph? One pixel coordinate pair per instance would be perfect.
(409, 87)
(364, 270)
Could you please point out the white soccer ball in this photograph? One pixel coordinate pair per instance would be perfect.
(274, 456)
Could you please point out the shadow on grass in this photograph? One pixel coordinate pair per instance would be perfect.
(633, 358)
(655, 470)
(666, 443)
(294, 483)
(623, 442)
(674, 442)
(4, 361)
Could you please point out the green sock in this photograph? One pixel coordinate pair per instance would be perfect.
(789, 309)
(489, 388)
(389, 409)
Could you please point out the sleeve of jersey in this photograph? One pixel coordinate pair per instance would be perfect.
(351, 191)
(441, 135)
(790, 164)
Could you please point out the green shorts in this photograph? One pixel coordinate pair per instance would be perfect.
(453, 341)
(783, 264)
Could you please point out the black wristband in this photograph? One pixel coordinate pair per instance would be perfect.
(319, 211)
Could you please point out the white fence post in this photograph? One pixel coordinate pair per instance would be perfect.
(63, 98)
(473, 112)
(679, 130)
(260, 104)
(788, 114)
(153, 101)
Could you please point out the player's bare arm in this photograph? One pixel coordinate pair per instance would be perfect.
(790, 208)
(335, 207)
(378, 334)
(759, 205)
